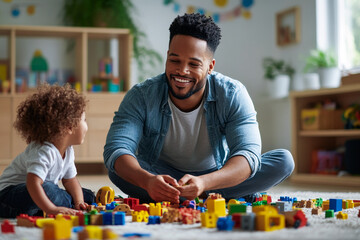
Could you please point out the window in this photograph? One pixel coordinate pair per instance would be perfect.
(348, 34)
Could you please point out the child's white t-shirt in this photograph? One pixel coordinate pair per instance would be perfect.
(43, 160)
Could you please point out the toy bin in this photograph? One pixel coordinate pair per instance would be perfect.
(317, 119)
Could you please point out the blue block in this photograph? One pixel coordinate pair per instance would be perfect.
(107, 218)
(225, 224)
(119, 218)
(154, 220)
(335, 204)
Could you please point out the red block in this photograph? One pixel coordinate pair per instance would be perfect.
(7, 227)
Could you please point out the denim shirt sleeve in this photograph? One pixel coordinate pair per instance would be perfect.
(126, 129)
(242, 130)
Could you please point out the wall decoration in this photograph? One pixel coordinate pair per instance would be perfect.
(16, 8)
(241, 10)
(288, 26)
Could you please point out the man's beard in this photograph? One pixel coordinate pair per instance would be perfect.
(188, 94)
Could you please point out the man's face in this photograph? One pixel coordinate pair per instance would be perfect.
(188, 63)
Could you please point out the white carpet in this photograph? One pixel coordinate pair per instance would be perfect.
(319, 227)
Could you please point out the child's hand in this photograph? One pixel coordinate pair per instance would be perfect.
(62, 210)
(81, 206)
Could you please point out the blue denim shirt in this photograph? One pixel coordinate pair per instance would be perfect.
(142, 121)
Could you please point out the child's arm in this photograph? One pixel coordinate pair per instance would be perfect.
(38, 195)
(73, 187)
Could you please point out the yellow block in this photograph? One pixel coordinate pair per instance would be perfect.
(217, 206)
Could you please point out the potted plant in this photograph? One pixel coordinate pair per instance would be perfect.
(113, 14)
(279, 74)
(326, 65)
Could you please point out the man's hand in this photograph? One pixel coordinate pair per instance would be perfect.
(162, 188)
(191, 186)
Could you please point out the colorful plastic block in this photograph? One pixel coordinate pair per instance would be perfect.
(335, 204)
(132, 202)
(7, 227)
(155, 210)
(329, 213)
(217, 206)
(284, 206)
(208, 220)
(225, 224)
(268, 218)
(154, 220)
(248, 222)
(236, 217)
(342, 215)
(236, 208)
(119, 218)
(60, 228)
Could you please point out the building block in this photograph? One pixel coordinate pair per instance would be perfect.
(217, 206)
(24, 220)
(356, 203)
(233, 201)
(134, 234)
(60, 228)
(119, 218)
(329, 213)
(91, 232)
(342, 215)
(109, 234)
(316, 211)
(225, 224)
(208, 219)
(283, 206)
(268, 218)
(318, 202)
(7, 227)
(154, 220)
(236, 217)
(132, 202)
(345, 204)
(335, 204)
(309, 204)
(350, 203)
(123, 208)
(236, 208)
(325, 205)
(142, 216)
(107, 218)
(155, 210)
(359, 214)
(248, 222)
(96, 219)
(142, 207)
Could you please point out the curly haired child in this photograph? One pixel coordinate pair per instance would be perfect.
(51, 121)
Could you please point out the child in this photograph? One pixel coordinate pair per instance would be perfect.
(51, 121)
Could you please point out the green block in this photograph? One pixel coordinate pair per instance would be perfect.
(329, 213)
(236, 208)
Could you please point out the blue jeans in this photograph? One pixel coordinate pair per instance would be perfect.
(15, 200)
(276, 166)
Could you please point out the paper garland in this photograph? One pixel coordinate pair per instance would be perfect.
(242, 10)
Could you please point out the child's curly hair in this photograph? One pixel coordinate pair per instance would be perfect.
(49, 113)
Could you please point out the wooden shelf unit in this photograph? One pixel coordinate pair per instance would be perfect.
(101, 105)
(305, 141)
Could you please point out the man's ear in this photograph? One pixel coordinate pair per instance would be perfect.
(211, 66)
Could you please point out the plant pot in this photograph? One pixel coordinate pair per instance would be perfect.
(298, 82)
(279, 86)
(311, 81)
(329, 77)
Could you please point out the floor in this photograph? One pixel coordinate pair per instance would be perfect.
(95, 182)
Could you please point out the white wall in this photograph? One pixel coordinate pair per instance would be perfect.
(243, 46)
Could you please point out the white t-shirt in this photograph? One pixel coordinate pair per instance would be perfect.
(44, 160)
(187, 145)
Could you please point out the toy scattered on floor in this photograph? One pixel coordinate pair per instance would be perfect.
(214, 212)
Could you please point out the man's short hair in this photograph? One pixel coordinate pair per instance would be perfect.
(198, 26)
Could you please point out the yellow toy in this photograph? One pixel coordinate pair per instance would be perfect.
(208, 220)
(217, 206)
(60, 228)
(105, 195)
(268, 218)
(155, 210)
(142, 216)
(342, 215)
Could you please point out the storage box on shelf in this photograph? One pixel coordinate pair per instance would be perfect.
(305, 141)
(101, 105)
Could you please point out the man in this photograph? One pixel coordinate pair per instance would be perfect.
(190, 131)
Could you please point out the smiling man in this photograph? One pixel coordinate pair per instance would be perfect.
(190, 131)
